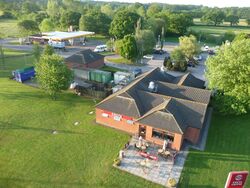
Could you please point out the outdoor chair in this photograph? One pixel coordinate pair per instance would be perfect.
(174, 156)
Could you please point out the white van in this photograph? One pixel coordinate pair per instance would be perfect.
(101, 48)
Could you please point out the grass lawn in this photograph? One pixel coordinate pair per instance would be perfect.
(242, 22)
(8, 28)
(14, 63)
(78, 156)
(227, 149)
(172, 39)
(119, 60)
(11, 52)
(99, 37)
(219, 30)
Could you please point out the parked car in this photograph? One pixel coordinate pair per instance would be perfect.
(137, 71)
(211, 52)
(101, 48)
(158, 51)
(148, 57)
(56, 44)
(198, 58)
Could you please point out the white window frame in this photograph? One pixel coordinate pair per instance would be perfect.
(131, 122)
(105, 115)
(117, 117)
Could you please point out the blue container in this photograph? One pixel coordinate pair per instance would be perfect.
(21, 75)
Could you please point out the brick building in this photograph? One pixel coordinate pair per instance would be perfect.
(158, 107)
(85, 59)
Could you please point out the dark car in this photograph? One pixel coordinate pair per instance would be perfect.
(158, 51)
(137, 71)
(211, 52)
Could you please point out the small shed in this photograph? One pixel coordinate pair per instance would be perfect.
(85, 59)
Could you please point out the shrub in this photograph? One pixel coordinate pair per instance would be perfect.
(229, 35)
(117, 162)
(171, 182)
(168, 64)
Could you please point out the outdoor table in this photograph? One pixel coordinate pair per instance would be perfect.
(143, 148)
(160, 150)
(167, 153)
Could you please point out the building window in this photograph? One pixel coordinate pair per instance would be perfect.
(130, 122)
(105, 115)
(156, 134)
(162, 135)
(117, 117)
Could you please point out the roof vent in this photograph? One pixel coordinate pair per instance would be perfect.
(152, 87)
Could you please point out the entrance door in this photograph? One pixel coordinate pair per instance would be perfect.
(142, 131)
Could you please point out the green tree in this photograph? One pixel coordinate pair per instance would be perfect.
(241, 36)
(2, 55)
(189, 46)
(156, 25)
(40, 16)
(124, 23)
(53, 9)
(178, 23)
(29, 7)
(28, 27)
(128, 49)
(118, 46)
(229, 74)
(214, 16)
(111, 44)
(145, 41)
(36, 51)
(248, 21)
(47, 25)
(229, 36)
(141, 11)
(95, 21)
(70, 18)
(107, 9)
(233, 19)
(153, 9)
(48, 50)
(178, 59)
(53, 75)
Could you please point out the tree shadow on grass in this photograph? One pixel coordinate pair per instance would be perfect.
(9, 126)
(17, 182)
(66, 98)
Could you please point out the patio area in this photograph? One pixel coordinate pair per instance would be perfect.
(158, 169)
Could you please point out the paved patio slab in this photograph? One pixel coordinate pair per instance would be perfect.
(157, 171)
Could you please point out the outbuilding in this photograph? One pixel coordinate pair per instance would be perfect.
(85, 59)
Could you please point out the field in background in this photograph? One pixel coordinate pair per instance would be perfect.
(242, 22)
(8, 28)
(219, 30)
